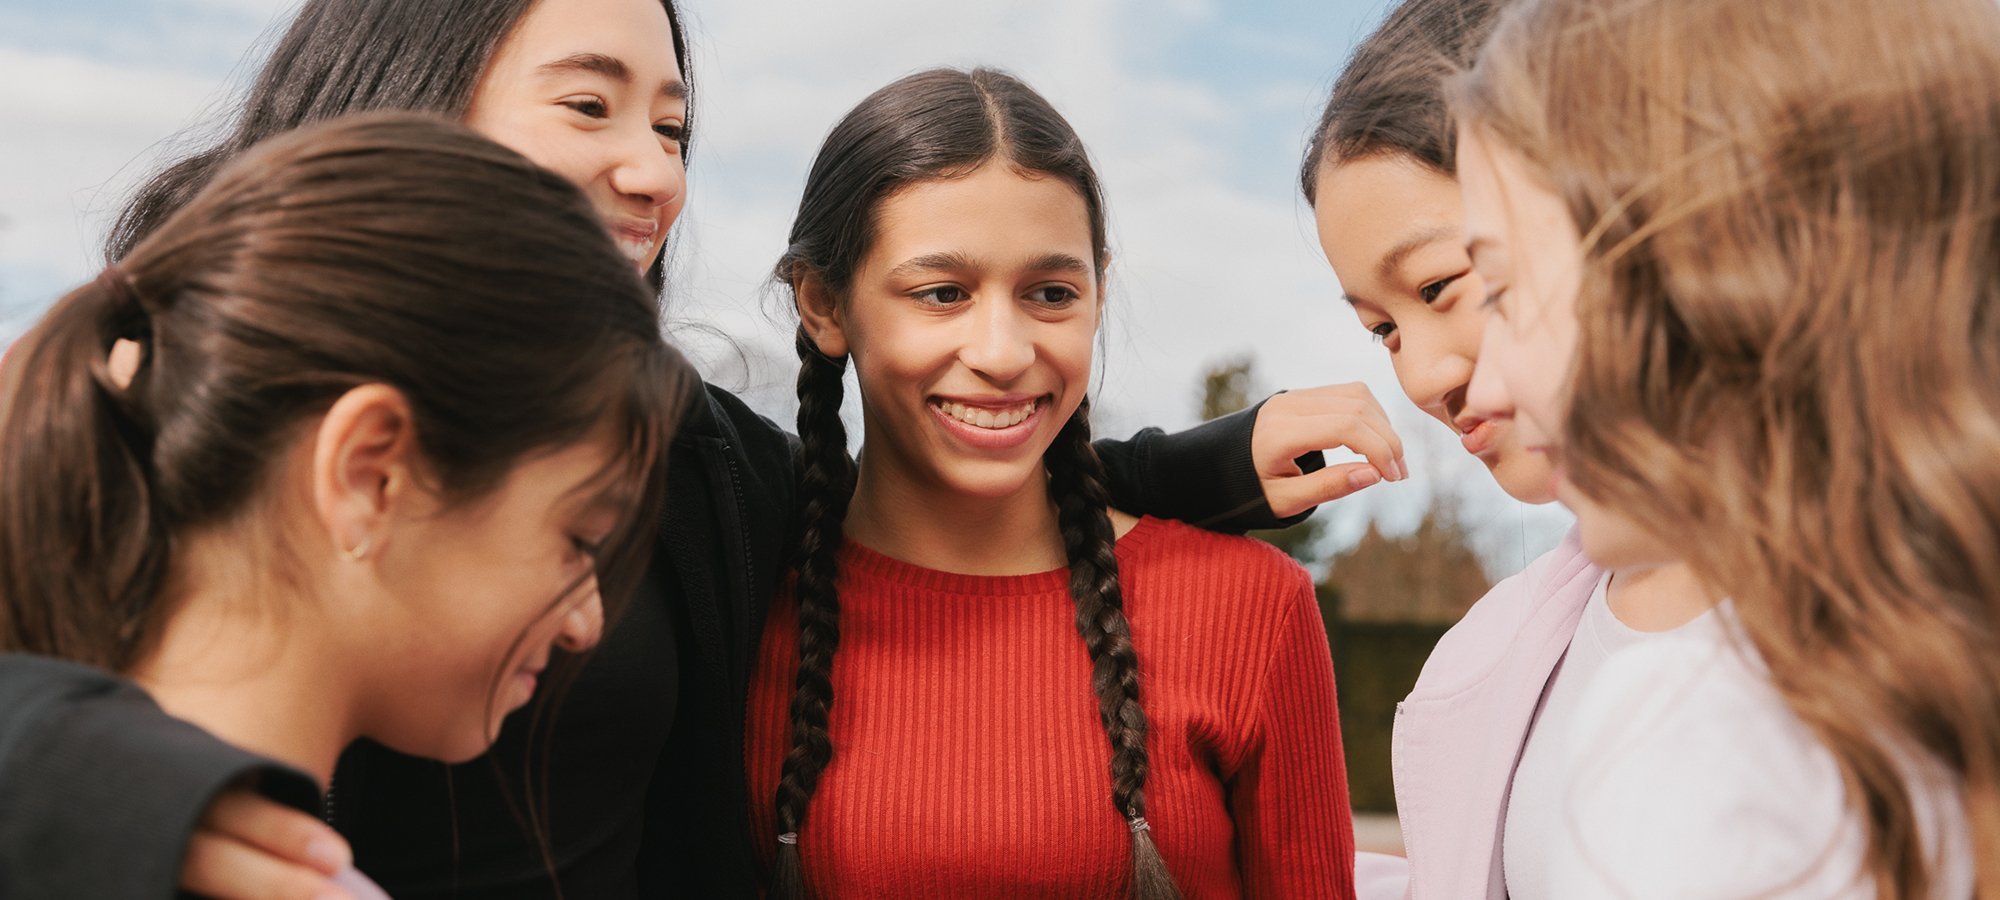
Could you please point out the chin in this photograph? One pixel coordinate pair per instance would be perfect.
(992, 480)
(1523, 476)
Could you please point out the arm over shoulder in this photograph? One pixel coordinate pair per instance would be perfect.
(1205, 476)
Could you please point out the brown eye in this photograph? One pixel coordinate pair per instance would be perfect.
(588, 106)
(942, 295)
(1435, 289)
(1053, 295)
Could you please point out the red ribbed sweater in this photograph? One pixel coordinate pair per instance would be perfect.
(969, 762)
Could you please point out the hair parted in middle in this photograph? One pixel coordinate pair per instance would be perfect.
(933, 125)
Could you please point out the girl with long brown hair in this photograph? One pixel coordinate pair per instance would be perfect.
(1746, 261)
(1476, 752)
(362, 483)
(982, 681)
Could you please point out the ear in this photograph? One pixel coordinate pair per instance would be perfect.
(820, 315)
(364, 460)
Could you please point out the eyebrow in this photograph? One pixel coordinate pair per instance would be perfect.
(954, 261)
(1392, 261)
(610, 67)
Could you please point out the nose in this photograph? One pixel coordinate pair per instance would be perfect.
(1001, 345)
(643, 168)
(1436, 369)
(583, 622)
(1487, 395)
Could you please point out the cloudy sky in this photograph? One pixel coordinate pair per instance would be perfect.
(1195, 110)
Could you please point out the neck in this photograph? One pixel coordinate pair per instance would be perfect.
(929, 525)
(235, 659)
(1658, 598)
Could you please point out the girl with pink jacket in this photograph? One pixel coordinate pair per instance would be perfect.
(1475, 755)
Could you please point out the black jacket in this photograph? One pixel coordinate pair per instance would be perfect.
(642, 769)
(102, 787)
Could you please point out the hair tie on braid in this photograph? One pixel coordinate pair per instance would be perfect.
(1139, 824)
(789, 838)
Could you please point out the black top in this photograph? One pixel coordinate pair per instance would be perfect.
(102, 787)
(643, 768)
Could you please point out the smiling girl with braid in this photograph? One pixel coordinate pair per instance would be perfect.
(982, 681)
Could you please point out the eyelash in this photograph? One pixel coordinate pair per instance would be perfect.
(937, 301)
(1431, 292)
(1066, 297)
(596, 108)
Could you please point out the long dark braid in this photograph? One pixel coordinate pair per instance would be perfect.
(1077, 486)
(826, 485)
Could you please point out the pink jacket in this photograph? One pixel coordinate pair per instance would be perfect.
(1460, 732)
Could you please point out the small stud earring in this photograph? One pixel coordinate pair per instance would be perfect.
(360, 550)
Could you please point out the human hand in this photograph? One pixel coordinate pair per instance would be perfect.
(248, 847)
(1294, 423)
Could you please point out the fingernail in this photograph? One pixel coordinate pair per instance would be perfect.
(328, 855)
(1361, 478)
(1402, 470)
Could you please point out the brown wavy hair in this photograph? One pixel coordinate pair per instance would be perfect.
(1791, 345)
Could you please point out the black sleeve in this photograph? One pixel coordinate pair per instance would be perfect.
(100, 789)
(1204, 475)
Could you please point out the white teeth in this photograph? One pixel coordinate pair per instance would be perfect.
(981, 417)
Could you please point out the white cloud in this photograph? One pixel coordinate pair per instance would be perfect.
(81, 132)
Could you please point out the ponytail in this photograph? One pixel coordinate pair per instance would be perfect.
(80, 533)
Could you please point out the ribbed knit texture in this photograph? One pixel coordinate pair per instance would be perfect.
(969, 762)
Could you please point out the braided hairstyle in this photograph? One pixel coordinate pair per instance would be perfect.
(936, 124)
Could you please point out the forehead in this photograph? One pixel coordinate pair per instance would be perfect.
(635, 32)
(996, 213)
(1370, 209)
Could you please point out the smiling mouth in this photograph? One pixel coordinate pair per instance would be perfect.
(989, 418)
(638, 250)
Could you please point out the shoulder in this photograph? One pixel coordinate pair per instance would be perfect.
(34, 684)
(719, 413)
(1682, 750)
(1534, 610)
(1178, 552)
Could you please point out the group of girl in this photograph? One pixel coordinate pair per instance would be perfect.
(301, 499)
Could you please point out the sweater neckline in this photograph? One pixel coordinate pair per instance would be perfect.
(857, 560)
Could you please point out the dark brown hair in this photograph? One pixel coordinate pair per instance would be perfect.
(388, 249)
(340, 57)
(1790, 345)
(938, 124)
(1390, 98)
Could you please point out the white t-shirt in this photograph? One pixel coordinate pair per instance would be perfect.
(1691, 779)
(1541, 778)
